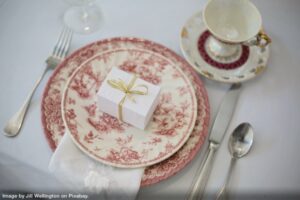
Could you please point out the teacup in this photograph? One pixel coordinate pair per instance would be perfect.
(232, 23)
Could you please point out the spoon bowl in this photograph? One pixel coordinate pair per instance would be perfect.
(241, 140)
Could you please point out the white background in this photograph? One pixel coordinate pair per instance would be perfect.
(270, 102)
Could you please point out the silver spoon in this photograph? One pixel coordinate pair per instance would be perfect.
(239, 145)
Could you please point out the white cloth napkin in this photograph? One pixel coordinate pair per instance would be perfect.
(81, 173)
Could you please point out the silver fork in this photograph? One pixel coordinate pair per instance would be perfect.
(60, 51)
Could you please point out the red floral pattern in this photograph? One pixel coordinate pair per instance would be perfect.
(85, 82)
(90, 138)
(91, 109)
(154, 141)
(168, 117)
(183, 90)
(52, 119)
(106, 123)
(124, 155)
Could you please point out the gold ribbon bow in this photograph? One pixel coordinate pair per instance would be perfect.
(128, 91)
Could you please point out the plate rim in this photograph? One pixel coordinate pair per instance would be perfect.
(203, 132)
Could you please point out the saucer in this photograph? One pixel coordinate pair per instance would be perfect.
(250, 61)
(51, 114)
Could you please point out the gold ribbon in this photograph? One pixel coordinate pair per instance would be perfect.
(128, 90)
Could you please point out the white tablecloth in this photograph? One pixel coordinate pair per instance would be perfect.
(270, 102)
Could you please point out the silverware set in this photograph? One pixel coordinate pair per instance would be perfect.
(217, 133)
(239, 145)
(60, 51)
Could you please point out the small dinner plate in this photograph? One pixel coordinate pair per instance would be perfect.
(109, 140)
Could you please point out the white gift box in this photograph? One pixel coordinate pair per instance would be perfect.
(137, 109)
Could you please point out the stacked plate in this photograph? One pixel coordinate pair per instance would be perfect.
(179, 124)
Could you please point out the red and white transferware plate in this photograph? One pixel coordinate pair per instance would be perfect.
(129, 52)
(108, 140)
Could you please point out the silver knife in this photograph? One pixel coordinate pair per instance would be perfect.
(219, 128)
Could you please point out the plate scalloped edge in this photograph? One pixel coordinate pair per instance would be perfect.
(206, 119)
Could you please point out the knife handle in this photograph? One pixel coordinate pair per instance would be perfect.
(204, 172)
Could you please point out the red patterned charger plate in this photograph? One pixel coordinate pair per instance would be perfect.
(51, 103)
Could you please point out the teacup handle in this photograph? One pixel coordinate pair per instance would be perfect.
(262, 39)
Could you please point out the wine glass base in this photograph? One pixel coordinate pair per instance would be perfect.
(83, 20)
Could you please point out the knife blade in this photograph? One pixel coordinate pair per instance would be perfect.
(218, 131)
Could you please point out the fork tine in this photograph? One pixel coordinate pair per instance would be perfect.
(59, 43)
(66, 44)
(63, 43)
